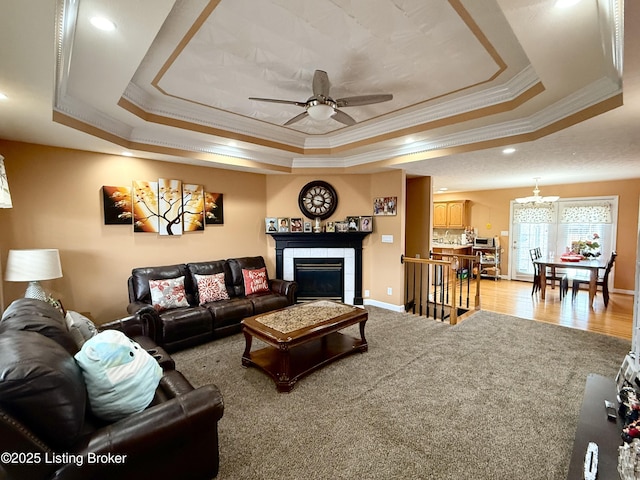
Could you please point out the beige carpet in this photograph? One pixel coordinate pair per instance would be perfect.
(495, 397)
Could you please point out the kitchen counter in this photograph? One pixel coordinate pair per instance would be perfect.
(450, 246)
(449, 249)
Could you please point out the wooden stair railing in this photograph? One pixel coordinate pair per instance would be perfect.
(441, 289)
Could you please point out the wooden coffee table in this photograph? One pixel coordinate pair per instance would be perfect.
(302, 338)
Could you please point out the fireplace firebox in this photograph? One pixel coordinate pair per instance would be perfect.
(319, 278)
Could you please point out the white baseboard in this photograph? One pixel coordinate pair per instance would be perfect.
(386, 306)
(624, 292)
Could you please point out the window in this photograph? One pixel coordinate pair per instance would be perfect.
(555, 226)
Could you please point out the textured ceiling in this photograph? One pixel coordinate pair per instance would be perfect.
(173, 82)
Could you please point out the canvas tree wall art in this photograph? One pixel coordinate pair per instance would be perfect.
(214, 208)
(117, 205)
(167, 207)
(193, 204)
(145, 206)
(5, 195)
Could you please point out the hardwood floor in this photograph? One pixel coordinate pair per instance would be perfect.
(514, 298)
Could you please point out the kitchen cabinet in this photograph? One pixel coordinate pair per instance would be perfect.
(450, 214)
(440, 215)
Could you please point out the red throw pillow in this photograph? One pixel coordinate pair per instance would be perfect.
(255, 281)
(211, 288)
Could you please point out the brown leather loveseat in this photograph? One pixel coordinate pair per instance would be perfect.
(47, 428)
(197, 319)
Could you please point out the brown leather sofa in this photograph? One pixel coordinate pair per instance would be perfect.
(182, 327)
(47, 430)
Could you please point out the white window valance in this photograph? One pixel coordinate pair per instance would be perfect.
(536, 213)
(591, 212)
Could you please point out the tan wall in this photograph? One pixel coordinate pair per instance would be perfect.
(418, 217)
(490, 215)
(57, 202)
(385, 267)
(381, 262)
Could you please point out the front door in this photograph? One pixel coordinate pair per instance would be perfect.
(530, 230)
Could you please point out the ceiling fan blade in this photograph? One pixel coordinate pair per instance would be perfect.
(273, 100)
(297, 118)
(343, 118)
(321, 84)
(363, 100)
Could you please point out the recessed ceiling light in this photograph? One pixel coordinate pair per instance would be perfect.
(443, 189)
(3, 96)
(565, 3)
(103, 23)
(509, 150)
(127, 154)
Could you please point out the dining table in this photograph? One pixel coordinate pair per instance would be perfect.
(548, 267)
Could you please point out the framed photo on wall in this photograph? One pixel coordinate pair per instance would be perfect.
(385, 205)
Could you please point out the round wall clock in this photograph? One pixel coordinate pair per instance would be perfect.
(318, 199)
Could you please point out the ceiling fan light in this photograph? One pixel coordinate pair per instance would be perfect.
(536, 198)
(320, 111)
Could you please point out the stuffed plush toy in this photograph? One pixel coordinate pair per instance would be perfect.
(121, 377)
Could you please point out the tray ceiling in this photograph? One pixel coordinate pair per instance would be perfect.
(173, 81)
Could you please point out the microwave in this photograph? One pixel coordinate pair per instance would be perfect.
(487, 242)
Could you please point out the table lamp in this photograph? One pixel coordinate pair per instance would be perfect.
(33, 266)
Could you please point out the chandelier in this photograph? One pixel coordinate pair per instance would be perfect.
(536, 198)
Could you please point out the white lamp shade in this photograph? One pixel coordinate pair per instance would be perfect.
(320, 111)
(33, 265)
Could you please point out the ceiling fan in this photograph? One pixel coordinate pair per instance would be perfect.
(321, 106)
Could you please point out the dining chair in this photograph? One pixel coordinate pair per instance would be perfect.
(602, 282)
(536, 270)
(561, 278)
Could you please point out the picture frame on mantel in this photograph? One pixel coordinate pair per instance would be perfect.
(283, 224)
(270, 225)
(341, 227)
(296, 225)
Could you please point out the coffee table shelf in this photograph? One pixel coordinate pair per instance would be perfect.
(303, 359)
(290, 356)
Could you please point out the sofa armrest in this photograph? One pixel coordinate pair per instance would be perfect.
(159, 442)
(147, 318)
(287, 288)
(131, 326)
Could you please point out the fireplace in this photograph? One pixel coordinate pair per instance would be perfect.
(319, 278)
(344, 246)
